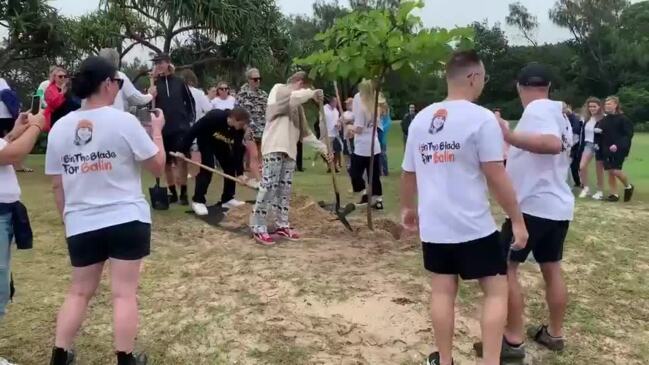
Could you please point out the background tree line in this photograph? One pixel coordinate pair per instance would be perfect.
(607, 54)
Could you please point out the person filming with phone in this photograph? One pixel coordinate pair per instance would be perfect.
(95, 156)
(14, 147)
(58, 97)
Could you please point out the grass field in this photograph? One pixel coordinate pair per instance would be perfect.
(210, 296)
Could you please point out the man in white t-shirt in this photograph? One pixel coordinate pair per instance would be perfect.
(453, 157)
(538, 164)
(128, 94)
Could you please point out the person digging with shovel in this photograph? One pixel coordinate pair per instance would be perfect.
(286, 124)
(220, 138)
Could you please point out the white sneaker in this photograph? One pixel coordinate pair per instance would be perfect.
(232, 204)
(198, 208)
(598, 195)
(584, 192)
(4, 361)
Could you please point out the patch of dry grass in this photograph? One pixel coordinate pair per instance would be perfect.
(213, 297)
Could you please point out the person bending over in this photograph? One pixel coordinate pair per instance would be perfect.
(220, 138)
(286, 124)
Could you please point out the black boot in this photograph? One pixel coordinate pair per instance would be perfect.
(61, 357)
(131, 359)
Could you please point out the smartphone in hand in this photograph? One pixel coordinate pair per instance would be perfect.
(36, 104)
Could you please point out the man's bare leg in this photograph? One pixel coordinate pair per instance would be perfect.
(556, 295)
(443, 294)
(515, 329)
(494, 317)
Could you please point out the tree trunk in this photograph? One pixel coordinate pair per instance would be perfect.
(370, 174)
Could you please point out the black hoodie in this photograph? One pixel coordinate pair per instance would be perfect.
(617, 130)
(176, 102)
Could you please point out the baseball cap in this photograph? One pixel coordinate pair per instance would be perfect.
(535, 75)
(161, 57)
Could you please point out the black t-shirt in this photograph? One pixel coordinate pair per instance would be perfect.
(213, 130)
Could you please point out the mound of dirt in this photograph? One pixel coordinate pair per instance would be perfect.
(311, 219)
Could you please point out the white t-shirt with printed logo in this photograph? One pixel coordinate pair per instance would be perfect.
(541, 181)
(9, 188)
(98, 153)
(447, 142)
(363, 141)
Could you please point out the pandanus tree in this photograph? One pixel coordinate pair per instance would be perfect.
(369, 44)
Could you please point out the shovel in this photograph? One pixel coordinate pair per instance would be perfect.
(341, 214)
(220, 173)
(159, 196)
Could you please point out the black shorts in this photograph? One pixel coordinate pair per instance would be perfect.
(336, 144)
(129, 241)
(614, 161)
(546, 239)
(6, 125)
(471, 260)
(173, 143)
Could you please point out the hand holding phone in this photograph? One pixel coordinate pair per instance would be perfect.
(36, 104)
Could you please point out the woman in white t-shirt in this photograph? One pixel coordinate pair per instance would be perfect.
(15, 146)
(94, 156)
(332, 117)
(593, 114)
(223, 99)
(363, 109)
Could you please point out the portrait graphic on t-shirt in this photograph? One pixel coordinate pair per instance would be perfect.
(83, 133)
(437, 124)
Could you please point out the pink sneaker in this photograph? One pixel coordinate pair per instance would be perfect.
(263, 239)
(288, 233)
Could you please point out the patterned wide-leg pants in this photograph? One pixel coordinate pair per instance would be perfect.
(274, 192)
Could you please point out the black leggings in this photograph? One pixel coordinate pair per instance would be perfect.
(360, 166)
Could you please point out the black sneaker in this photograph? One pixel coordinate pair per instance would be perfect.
(433, 359)
(173, 199)
(184, 200)
(364, 200)
(378, 205)
(541, 336)
(132, 359)
(507, 351)
(613, 198)
(628, 193)
(62, 357)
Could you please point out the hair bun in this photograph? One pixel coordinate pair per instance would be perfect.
(82, 86)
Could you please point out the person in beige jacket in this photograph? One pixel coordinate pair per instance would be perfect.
(285, 125)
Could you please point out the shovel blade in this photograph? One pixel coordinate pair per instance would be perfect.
(159, 198)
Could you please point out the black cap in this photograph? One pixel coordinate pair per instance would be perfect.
(161, 57)
(535, 75)
(92, 72)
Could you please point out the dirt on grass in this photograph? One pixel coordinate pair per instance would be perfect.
(209, 295)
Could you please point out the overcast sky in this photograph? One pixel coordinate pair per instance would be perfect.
(444, 13)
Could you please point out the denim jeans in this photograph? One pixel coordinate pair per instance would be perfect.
(6, 236)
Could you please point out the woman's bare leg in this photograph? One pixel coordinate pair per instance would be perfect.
(71, 315)
(125, 278)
